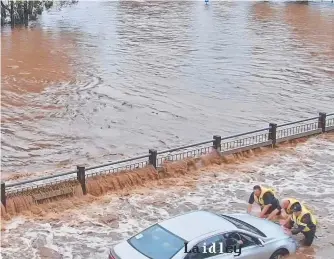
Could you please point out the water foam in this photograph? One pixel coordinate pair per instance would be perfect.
(89, 232)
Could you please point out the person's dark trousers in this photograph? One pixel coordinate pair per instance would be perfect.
(309, 237)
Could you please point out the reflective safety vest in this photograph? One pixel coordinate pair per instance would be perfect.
(307, 208)
(259, 200)
(298, 219)
(292, 202)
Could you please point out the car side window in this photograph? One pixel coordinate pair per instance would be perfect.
(207, 248)
(248, 240)
(239, 239)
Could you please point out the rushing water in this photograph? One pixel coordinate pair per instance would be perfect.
(90, 231)
(103, 80)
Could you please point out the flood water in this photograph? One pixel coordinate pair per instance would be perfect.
(89, 231)
(140, 75)
(100, 81)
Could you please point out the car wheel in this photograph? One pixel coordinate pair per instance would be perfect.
(279, 254)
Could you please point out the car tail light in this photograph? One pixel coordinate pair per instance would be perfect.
(111, 256)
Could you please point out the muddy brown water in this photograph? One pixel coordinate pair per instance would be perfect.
(73, 229)
(142, 75)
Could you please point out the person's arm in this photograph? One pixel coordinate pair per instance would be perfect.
(304, 222)
(287, 222)
(249, 208)
(250, 203)
(272, 214)
(297, 230)
(284, 214)
(264, 210)
(267, 200)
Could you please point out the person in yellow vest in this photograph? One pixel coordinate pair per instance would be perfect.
(267, 200)
(287, 206)
(306, 223)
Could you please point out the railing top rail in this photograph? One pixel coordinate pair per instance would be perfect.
(40, 179)
(116, 162)
(295, 122)
(210, 141)
(246, 133)
(184, 147)
(330, 114)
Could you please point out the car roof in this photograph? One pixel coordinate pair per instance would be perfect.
(195, 224)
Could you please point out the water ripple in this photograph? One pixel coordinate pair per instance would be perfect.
(158, 74)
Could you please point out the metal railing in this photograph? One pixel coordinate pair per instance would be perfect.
(118, 166)
(298, 127)
(180, 153)
(227, 145)
(330, 120)
(248, 139)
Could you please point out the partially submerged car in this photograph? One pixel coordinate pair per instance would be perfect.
(203, 234)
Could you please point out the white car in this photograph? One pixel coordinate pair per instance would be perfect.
(202, 234)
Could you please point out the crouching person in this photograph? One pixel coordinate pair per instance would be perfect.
(265, 197)
(305, 223)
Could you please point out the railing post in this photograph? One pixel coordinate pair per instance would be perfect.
(152, 159)
(272, 133)
(3, 194)
(322, 122)
(81, 176)
(217, 142)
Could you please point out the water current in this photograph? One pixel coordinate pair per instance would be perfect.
(140, 75)
(100, 81)
(304, 172)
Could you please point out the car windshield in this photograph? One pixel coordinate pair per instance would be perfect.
(243, 225)
(157, 243)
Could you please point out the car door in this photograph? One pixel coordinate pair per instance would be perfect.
(250, 248)
(205, 245)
